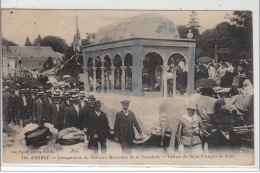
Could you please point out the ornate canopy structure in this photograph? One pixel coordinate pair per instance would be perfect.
(134, 57)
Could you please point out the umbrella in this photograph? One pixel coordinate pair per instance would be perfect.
(204, 60)
(66, 76)
(244, 55)
(210, 83)
(223, 51)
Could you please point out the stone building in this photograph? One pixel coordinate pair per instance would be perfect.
(139, 57)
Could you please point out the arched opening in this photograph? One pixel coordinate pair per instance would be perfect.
(177, 63)
(98, 64)
(118, 64)
(107, 65)
(90, 73)
(152, 73)
(128, 64)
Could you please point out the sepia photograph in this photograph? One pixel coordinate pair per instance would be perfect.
(128, 87)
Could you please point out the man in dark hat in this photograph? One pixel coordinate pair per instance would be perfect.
(38, 108)
(55, 111)
(47, 102)
(98, 128)
(13, 107)
(224, 139)
(74, 116)
(124, 127)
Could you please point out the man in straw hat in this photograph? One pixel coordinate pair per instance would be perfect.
(89, 108)
(47, 102)
(124, 127)
(38, 108)
(98, 128)
(55, 111)
(189, 130)
(74, 116)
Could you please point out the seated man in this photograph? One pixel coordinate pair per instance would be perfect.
(223, 139)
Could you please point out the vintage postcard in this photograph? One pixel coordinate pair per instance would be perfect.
(128, 87)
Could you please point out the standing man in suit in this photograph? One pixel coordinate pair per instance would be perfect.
(31, 99)
(124, 127)
(23, 107)
(98, 128)
(47, 102)
(74, 116)
(82, 101)
(38, 108)
(55, 110)
(64, 104)
(88, 110)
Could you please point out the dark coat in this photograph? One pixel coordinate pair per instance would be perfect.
(218, 142)
(55, 116)
(38, 110)
(98, 125)
(47, 107)
(124, 126)
(63, 106)
(74, 119)
(23, 110)
(30, 102)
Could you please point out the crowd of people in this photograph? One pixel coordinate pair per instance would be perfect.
(66, 108)
(236, 78)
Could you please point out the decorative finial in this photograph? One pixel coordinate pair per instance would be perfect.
(189, 35)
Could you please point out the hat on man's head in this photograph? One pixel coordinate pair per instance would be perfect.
(40, 93)
(48, 93)
(192, 104)
(82, 94)
(22, 90)
(74, 97)
(32, 90)
(97, 103)
(125, 102)
(66, 94)
(56, 94)
(91, 96)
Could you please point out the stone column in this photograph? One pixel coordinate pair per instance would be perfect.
(161, 82)
(123, 68)
(102, 79)
(107, 80)
(94, 79)
(87, 88)
(113, 78)
(191, 71)
(117, 77)
(164, 74)
(174, 82)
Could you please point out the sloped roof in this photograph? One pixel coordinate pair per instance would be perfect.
(30, 52)
(151, 26)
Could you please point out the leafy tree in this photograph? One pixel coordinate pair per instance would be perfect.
(48, 64)
(89, 39)
(194, 21)
(38, 41)
(56, 43)
(6, 42)
(27, 42)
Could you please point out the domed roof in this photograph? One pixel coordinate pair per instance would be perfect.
(150, 26)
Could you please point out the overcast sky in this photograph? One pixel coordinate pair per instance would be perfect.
(18, 24)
